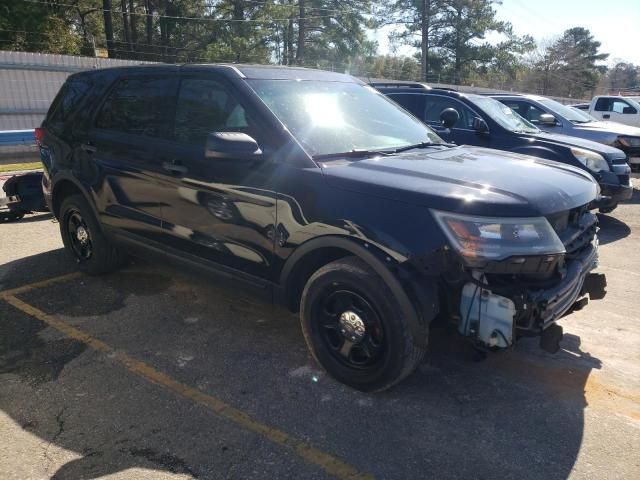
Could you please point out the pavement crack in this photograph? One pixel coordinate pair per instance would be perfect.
(54, 438)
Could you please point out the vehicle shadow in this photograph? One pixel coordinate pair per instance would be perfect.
(611, 229)
(519, 414)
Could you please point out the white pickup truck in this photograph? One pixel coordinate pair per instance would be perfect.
(616, 108)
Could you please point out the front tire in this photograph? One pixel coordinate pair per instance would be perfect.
(354, 327)
(84, 240)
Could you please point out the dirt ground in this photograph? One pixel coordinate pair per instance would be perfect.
(155, 373)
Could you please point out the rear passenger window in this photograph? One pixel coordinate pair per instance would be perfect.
(603, 104)
(205, 106)
(413, 103)
(70, 96)
(140, 106)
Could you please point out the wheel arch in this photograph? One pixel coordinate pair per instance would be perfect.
(65, 186)
(316, 253)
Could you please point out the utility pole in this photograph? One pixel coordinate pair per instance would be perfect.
(301, 33)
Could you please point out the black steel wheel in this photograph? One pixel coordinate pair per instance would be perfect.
(84, 240)
(354, 327)
(350, 328)
(79, 235)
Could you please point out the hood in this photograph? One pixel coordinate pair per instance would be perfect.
(569, 141)
(469, 180)
(610, 127)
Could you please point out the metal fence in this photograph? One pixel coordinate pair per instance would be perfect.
(30, 81)
(28, 84)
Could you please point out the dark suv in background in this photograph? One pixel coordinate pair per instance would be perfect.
(470, 119)
(319, 193)
(553, 117)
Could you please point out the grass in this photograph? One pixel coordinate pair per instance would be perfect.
(18, 167)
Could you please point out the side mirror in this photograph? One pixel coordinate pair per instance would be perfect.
(449, 117)
(629, 110)
(547, 119)
(480, 126)
(232, 146)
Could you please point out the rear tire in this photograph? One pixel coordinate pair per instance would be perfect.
(84, 240)
(354, 327)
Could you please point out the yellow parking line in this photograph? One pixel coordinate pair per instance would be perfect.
(41, 284)
(325, 461)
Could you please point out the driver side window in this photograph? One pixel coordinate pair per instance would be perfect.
(206, 106)
(435, 105)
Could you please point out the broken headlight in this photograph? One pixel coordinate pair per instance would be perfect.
(481, 239)
(592, 160)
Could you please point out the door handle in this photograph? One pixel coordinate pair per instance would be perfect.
(87, 147)
(606, 115)
(174, 167)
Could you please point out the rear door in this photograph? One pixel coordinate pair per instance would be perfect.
(129, 130)
(221, 210)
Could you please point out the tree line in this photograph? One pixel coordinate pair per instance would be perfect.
(443, 41)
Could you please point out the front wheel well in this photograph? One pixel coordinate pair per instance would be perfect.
(62, 190)
(307, 266)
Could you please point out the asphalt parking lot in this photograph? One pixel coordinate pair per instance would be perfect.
(154, 373)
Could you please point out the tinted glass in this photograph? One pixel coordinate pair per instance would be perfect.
(206, 106)
(410, 102)
(502, 114)
(602, 105)
(436, 104)
(70, 96)
(140, 106)
(335, 117)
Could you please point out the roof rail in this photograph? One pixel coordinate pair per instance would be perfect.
(400, 84)
(501, 94)
(445, 89)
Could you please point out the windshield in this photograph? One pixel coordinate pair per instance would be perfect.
(572, 114)
(335, 117)
(502, 114)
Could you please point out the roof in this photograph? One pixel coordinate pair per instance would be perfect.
(536, 98)
(272, 72)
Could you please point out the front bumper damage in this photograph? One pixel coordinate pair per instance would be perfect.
(615, 188)
(505, 301)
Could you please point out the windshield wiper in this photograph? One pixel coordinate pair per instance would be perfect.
(416, 145)
(351, 154)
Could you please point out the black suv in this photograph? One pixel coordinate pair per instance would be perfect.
(319, 193)
(469, 119)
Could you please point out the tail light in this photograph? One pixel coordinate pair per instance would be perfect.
(38, 133)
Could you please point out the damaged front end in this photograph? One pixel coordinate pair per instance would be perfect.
(516, 277)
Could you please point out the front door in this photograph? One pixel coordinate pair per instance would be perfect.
(221, 210)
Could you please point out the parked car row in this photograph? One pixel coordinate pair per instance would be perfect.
(553, 117)
(321, 194)
(469, 119)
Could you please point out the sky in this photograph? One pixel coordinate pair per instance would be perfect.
(615, 23)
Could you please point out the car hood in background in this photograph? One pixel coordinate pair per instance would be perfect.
(467, 180)
(609, 152)
(613, 127)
